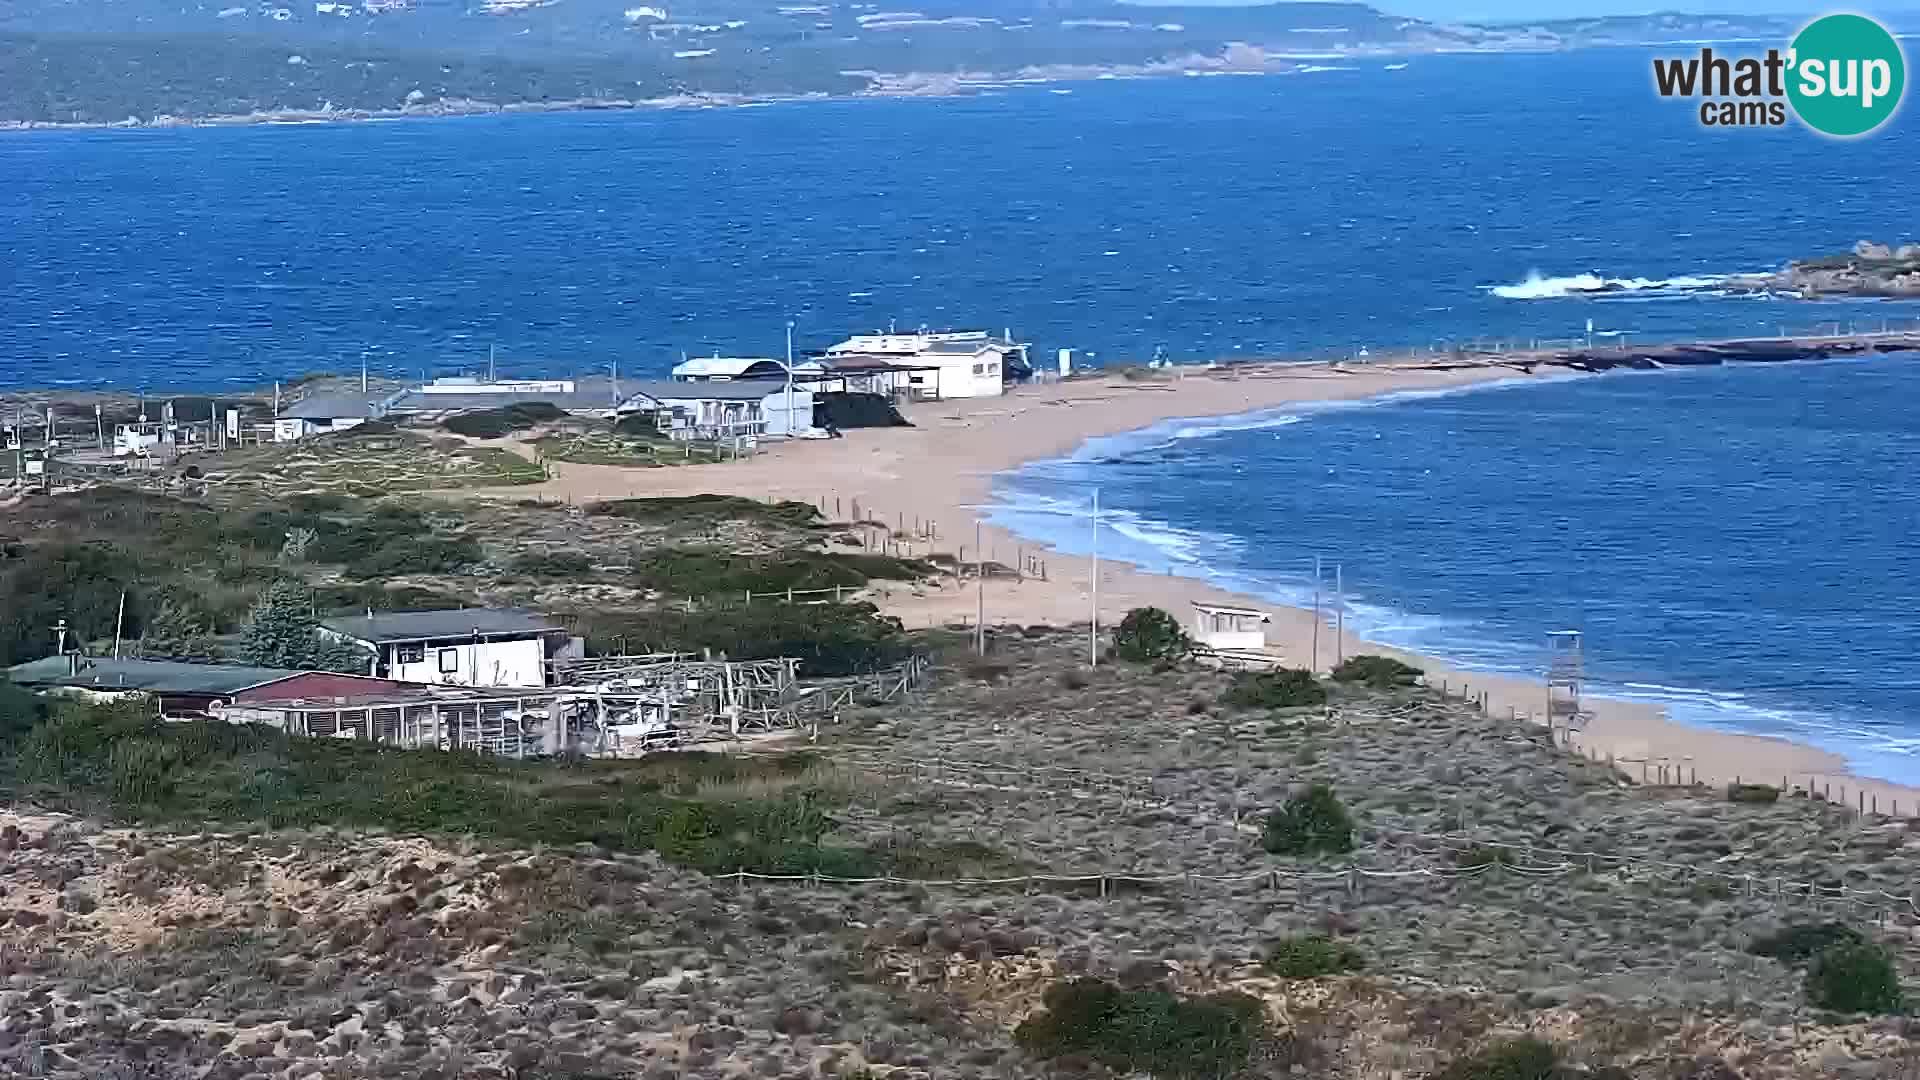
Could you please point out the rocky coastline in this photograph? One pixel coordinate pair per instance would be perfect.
(1870, 270)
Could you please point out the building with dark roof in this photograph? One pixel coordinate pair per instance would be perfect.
(184, 689)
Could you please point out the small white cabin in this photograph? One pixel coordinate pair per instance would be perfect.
(1221, 627)
(465, 647)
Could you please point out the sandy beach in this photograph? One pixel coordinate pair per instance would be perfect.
(937, 474)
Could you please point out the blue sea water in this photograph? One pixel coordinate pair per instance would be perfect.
(1716, 533)
(1736, 543)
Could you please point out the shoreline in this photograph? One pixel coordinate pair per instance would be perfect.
(939, 474)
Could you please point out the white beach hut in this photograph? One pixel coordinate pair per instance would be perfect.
(1218, 626)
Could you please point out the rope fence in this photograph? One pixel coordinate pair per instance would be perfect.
(1134, 791)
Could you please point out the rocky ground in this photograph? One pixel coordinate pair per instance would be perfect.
(136, 953)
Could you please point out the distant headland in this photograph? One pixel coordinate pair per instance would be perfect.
(66, 65)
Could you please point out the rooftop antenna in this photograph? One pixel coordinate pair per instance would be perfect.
(60, 635)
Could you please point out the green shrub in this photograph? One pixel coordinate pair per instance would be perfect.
(827, 639)
(1284, 688)
(1753, 793)
(706, 511)
(726, 575)
(553, 564)
(1513, 1059)
(20, 710)
(1310, 823)
(503, 421)
(1803, 941)
(1380, 672)
(1310, 956)
(1149, 635)
(1144, 1031)
(1855, 977)
(417, 555)
(141, 769)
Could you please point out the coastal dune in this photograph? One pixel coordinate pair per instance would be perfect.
(936, 476)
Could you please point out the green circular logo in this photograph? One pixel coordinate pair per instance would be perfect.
(1846, 75)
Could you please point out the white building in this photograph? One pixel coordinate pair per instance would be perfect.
(948, 364)
(723, 408)
(464, 647)
(1221, 627)
(320, 414)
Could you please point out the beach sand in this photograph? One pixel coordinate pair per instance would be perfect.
(940, 471)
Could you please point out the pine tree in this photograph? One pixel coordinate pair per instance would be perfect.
(177, 632)
(282, 634)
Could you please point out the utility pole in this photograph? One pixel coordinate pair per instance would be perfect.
(363, 371)
(980, 590)
(493, 370)
(100, 426)
(1093, 633)
(119, 624)
(1314, 664)
(1339, 615)
(791, 432)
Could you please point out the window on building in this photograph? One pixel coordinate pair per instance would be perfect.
(979, 369)
(409, 654)
(449, 661)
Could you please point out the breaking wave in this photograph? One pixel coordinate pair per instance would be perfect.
(1538, 287)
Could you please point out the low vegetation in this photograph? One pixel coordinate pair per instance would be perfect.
(1855, 977)
(1285, 688)
(1845, 971)
(1800, 942)
(122, 761)
(1312, 956)
(503, 421)
(1753, 793)
(1145, 1031)
(706, 511)
(1512, 1059)
(1148, 635)
(827, 639)
(721, 575)
(1379, 672)
(1311, 823)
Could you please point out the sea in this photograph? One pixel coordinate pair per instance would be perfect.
(1734, 543)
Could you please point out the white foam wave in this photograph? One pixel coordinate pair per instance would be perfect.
(1535, 286)
(1308, 69)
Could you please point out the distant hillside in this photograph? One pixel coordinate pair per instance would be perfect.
(117, 61)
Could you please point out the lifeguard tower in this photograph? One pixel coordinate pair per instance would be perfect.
(1218, 626)
(1566, 671)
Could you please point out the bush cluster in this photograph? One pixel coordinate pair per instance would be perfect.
(1753, 793)
(1145, 1031)
(827, 639)
(1512, 1059)
(723, 575)
(1858, 977)
(1379, 672)
(1284, 688)
(90, 757)
(706, 511)
(1845, 971)
(501, 422)
(1311, 823)
(1148, 635)
(1310, 956)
